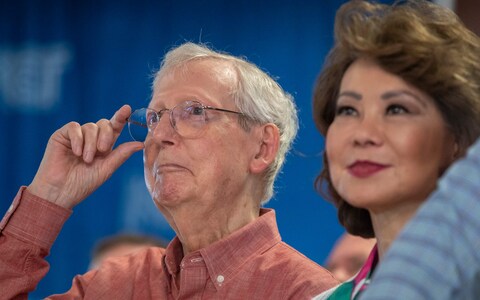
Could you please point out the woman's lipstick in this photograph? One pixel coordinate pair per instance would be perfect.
(363, 169)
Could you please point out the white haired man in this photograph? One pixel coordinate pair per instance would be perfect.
(214, 137)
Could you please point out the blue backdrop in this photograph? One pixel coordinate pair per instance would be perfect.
(81, 60)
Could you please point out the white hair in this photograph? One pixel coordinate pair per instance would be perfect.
(257, 95)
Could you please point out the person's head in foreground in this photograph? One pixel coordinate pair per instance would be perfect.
(398, 101)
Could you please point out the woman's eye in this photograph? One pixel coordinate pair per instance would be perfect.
(396, 109)
(345, 111)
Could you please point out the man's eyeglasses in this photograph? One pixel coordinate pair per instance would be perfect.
(187, 118)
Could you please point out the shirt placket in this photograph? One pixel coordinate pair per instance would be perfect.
(193, 278)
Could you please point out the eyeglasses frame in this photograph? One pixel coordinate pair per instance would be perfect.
(161, 112)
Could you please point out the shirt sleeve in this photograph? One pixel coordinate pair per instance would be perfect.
(27, 232)
(437, 254)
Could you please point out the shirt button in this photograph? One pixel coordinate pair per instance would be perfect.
(220, 278)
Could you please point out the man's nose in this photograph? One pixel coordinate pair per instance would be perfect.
(163, 130)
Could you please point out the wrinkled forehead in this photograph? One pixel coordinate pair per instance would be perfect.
(208, 77)
(218, 69)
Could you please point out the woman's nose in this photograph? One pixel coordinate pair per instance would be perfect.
(368, 132)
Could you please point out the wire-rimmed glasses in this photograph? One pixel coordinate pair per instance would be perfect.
(187, 118)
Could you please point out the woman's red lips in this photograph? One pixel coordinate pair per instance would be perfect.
(364, 169)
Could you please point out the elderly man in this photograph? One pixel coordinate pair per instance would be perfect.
(215, 135)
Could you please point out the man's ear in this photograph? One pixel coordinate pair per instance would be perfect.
(267, 152)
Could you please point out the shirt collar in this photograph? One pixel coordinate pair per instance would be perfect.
(362, 279)
(224, 258)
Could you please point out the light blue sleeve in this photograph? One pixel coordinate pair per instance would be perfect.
(437, 255)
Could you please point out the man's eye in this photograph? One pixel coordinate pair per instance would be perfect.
(196, 110)
(152, 118)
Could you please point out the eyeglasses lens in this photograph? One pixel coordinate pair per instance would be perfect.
(188, 120)
(138, 123)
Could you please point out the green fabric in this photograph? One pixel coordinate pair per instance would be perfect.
(342, 292)
(345, 291)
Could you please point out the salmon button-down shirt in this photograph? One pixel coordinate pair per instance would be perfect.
(251, 263)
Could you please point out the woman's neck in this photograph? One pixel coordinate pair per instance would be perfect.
(387, 224)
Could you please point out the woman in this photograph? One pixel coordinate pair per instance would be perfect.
(398, 101)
